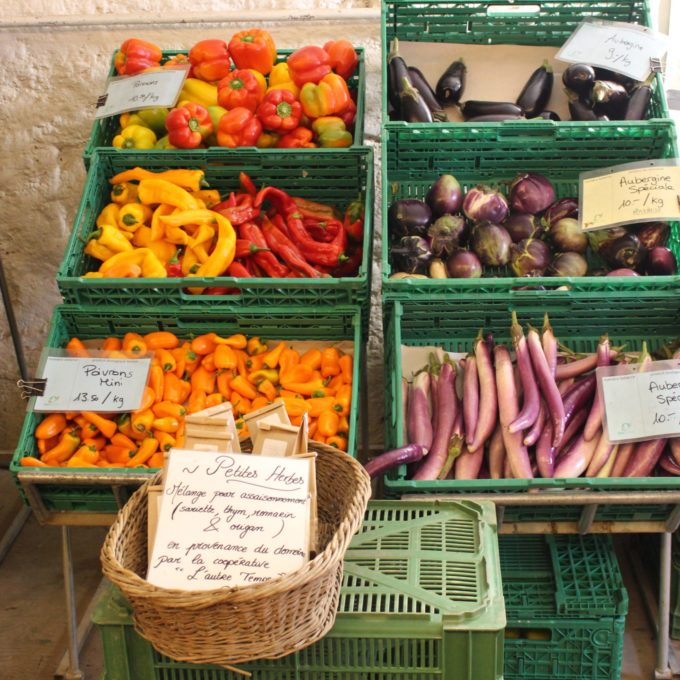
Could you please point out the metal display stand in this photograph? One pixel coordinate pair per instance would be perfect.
(586, 524)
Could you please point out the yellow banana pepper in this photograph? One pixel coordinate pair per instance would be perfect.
(176, 235)
(163, 250)
(134, 256)
(109, 215)
(95, 249)
(122, 193)
(157, 227)
(161, 191)
(113, 239)
(222, 254)
(193, 180)
(201, 253)
(135, 137)
(133, 215)
(203, 235)
(142, 237)
(195, 90)
(152, 267)
(190, 262)
(210, 197)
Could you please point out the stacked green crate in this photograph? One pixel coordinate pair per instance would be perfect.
(566, 607)
(421, 599)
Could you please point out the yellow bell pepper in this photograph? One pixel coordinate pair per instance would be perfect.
(135, 137)
(133, 215)
(95, 249)
(153, 191)
(112, 238)
(127, 119)
(267, 140)
(261, 80)
(198, 91)
(109, 215)
(280, 79)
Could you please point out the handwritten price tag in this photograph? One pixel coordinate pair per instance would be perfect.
(641, 406)
(620, 47)
(625, 194)
(230, 519)
(92, 384)
(143, 91)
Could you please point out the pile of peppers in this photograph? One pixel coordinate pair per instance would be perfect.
(164, 224)
(238, 95)
(187, 376)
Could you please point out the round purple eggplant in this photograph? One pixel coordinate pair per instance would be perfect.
(522, 225)
(564, 207)
(445, 196)
(485, 204)
(661, 262)
(491, 242)
(567, 235)
(530, 257)
(531, 193)
(568, 265)
(408, 217)
(464, 265)
(447, 234)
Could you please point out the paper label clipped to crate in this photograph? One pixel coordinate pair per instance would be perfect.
(624, 48)
(230, 520)
(645, 191)
(93, 383)
(143, 91)
(640, 405)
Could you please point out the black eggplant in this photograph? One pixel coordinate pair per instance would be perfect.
(625, 251)
(579, 111)
(609, 98)
(548, 115)
(536, 93)
(451, 84)
(493, 118)
(653, 234)
(639, 100)
(427, 93)
(411, 255)
(413, 106)
(397, 70)
(605, 74)
(579, 78)
(408, 217)
(474, 107)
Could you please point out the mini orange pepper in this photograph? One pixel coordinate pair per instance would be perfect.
(272, 357)
(241, 404)
(294, 407)
(161, 340)
(255, 363)
(157, 460)
(328, 423)
(112, 344)
(165, 440)
(165, 409)
(214, 400)
(241, 363)
(203, 344)
(203, 379)
(172, 389)
(67, 446)
(51, 426)
(346, 365)
(268, 388)
(146, 449)
(296, 420)
(300, 373)
(313, 388)
(148, 399)
(235, 341)
(76, 348)
(31, 461)
(166, 424)
(335, 383)
(125, 425)
(197, 400)
(142, 421)
(241, 385)
(166, 360)
(311, 431)
(157, 382)
(225, 357)
(222, 382)
(208, 362)
(343, 427)
(118, 454)
(120, 439)
(259, 402)
(288, 359)
(255, 346)
(87, 453)
(330, 362)
(185, 387)
(338, 441)
(134, 345)
(317, 405)
(312, 358)
(44, 445)
(107, 427)
(343, 399)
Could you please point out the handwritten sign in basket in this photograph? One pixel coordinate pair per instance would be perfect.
(229, 519)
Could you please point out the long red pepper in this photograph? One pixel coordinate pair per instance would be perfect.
(327, 254)
(286, 249)
(264, 258)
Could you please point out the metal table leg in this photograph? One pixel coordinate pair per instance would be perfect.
(73, 672)
(663, 671)
(8, 538)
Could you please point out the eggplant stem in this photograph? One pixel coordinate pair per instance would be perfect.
(394, 49)
(454, 450)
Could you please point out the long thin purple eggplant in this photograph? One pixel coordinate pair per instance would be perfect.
(546, 381)
(644, 458)
(405, 396)
(532, 436)
(545, 452)
(456, 447)
(549, 344)
(577, 397)
(419, 423)
(675, 449)
(433, 368)
(594, 422)
(507, 469)
(469, 464)
(669, 464)
(488, 395)
(432, 464)
(470, 398)
(496, 453)
(572, 430)
(601, 456)
(390, 459)
(565, 385)
(623, 457)
(576, 460)
(508, 406)
(575, 368)
(532, 400)
(607, 468)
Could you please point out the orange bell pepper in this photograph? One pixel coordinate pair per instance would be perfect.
(239, 127)
(210, 60)
(253, 48)
(240, 88)
(135, 56)
(330, 96)
(343, 57)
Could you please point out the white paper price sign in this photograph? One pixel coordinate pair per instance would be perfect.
(143, 91)
(645, 191)
(620, 47)
(92, 383)
(229, 519)
(641, 406)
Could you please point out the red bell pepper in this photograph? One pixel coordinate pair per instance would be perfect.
(309, 65)
(350, 267)
(210, 60)
(343, 57)
(279, 111)
(136, 55)
(349, 114)
(300, 138)
(253, 48)
(239, 88)
(188, 125)
(239, 127)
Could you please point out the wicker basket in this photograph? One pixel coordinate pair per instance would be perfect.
(261, 621)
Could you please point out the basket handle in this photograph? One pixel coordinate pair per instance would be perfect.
(526, 130)
(499, 10)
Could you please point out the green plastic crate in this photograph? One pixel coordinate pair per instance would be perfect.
(421, 600)
(453, 326)
(276, 323)
(566, 607)
(508, 22)
(332, 176)
(104, 129)
(413, 158)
